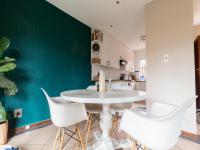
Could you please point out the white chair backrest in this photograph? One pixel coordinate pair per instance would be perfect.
(172, 120)
(160, 128)
(165, 111)
(118, 86)
(92, 87)
(160, 109)
(65, 114)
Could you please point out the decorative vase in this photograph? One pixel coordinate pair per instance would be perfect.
(3, 132)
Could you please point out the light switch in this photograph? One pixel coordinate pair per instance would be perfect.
(166, 58)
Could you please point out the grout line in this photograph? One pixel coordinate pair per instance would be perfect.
(178, 147)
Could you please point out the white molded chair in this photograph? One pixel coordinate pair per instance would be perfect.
(93, 112)
(117, 109)
(65, 114)
(159, 128)
(120, 107)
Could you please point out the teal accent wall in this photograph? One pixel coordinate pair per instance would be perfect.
(52, 51)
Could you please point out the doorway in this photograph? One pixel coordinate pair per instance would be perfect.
(197, 69)
(197, 78)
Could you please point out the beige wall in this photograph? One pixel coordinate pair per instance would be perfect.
(169, 30)
(138, 55)
(196, 31)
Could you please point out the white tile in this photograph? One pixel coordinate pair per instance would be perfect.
(23, 138)
(175, 148)
(187, 145)
(43, 139)
(44, 135)
(31, 147)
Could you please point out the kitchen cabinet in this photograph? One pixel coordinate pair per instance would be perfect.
(140, 85)
(127, 55)
(104, 51)
(111, 50)
(130, 65)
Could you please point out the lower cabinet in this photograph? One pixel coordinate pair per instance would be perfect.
(140, 85)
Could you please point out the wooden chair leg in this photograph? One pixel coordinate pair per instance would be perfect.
(80, 137)
(113, 124)
(86, 126)
(134, 146)
(56, 139)
(75, 130)
(88, 129)
(145, 148)
(62, 138)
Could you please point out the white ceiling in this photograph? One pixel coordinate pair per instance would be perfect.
(127, 17)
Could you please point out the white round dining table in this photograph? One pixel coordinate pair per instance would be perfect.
(106, 99)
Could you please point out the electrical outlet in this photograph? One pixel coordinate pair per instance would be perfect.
(18, 113)
(27, 127)
(166, 58)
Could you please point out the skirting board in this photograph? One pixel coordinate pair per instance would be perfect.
(31, 127)
(184, 134)
(190, 136)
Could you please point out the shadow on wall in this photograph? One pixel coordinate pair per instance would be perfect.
(52, 51)
(20, 77)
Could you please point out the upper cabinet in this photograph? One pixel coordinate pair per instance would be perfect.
(110, 52)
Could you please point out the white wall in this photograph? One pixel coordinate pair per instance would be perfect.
(111, 50)
(169, 30)
(196, 31)
(138, 55)
(112, 73)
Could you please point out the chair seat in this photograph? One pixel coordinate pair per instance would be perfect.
(120, 107)
(59, 100)
(93, 108)
(158, 127)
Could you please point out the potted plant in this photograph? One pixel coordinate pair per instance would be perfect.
(3, 125)
(7, 64)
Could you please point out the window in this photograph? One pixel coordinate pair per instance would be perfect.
(142, 73)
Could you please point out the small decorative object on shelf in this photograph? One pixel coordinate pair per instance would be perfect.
(95, 58)
(96, 61)
(97, 38)
(95, 47)
(97, 35)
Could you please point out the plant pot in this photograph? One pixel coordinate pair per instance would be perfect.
(3, 132)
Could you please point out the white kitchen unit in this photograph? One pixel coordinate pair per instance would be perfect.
(120, 84)
(140, 85)
(111, 50)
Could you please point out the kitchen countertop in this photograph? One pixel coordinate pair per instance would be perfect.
(114, 80)
(120, 81)
(140, 81)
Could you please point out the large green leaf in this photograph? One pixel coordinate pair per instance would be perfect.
(9, 87)
(4, 44)
(7, 67)
(2, 113)
(7, 60)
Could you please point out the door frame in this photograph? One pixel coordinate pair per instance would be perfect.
(197, 71)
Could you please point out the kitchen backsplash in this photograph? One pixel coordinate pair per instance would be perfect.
(112, 73)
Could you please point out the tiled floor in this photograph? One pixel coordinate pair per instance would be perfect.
(43, 138)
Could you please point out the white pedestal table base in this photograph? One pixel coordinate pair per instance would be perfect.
(104, 141)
